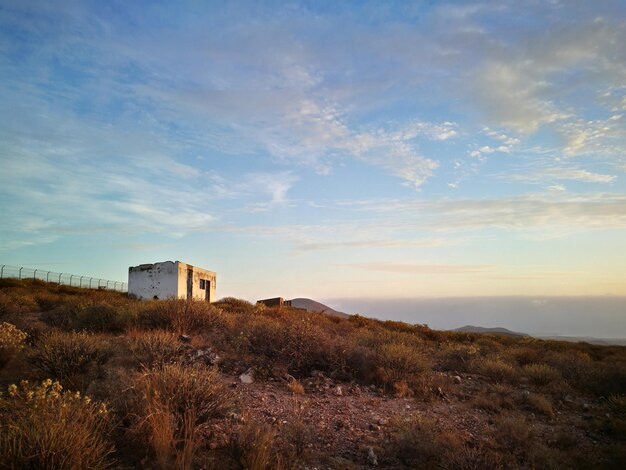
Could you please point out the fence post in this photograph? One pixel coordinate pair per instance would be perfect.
(19, 276)
(35, 275)
(48, 276)
(81, 281)
(60, 274)
(2, 271)
(71, 276)
(90, 279)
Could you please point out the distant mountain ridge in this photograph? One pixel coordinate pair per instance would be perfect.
(496, 330)
(312, 306)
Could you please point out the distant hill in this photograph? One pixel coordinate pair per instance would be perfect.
(495, 331)
(313, 306)
(588, 339)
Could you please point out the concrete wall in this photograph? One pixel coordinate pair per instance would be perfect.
(198, 274)
(149, 281)
(170, 279)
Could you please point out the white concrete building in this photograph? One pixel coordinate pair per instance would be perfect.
(171, 279)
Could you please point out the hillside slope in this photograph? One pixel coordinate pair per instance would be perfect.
(177, 384)
(313, 306)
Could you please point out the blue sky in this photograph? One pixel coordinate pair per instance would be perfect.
(319, 149)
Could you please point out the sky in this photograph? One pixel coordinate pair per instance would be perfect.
(331, 150)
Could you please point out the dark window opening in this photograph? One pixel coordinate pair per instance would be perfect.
(202, 284)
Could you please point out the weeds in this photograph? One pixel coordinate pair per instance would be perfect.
(12, 340)
(46, 427)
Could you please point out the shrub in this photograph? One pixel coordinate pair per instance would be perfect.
(513, 433)
(295, 387)
(617, 404)
(104, 317)
(174, 400)
(540, 404)
(457, 356)
(45, 427)
(182, 316)
(194, 388)
(234, 305)
(496, 369)
(417, 444)
(67, 356)
(398, 362)
(541, 374)
(253, 447)
(155, 348)
(12, 341)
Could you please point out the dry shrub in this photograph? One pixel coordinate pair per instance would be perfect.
(457, 357)
(398, 363)
(69, 356)
(105, 317)
(44, 427)
(182, 316)
(514, 433)
(617, 404)
(12, 341)
(237, 306)
(496, 369)
(12, 304)
(574, 366)
(540, 404)
(191, 387)
(172, 401)
(473, 458)
(541, 374)
(156, 347)
(47, 301)
(253, 447)
(295, 387)
(417, 443)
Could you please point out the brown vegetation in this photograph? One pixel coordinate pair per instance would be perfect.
(163, 377)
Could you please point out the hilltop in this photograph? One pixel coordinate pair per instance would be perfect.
(312, 306)
(177, 384)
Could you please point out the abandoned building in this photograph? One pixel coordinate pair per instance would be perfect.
(171, 279)
(275, 302)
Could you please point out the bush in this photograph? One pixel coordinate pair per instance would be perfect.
(104, 317)
(540, 404)
(541, 374)
(182, 316)
(185, 388)
(496, 369)
(398, 362)
(253, 447)
(68, 356)
(155, 348)
(174, 400)
(417, 444)
(12, 341)
(44, 427)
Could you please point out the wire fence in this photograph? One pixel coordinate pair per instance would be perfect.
(17, 272)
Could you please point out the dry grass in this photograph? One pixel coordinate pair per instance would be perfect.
(46, 427)
(155, 348)
(541, 374)
(12, 341)
(69, 356)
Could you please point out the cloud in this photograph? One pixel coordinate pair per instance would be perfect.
(418, 268)
(566, 212)
(562, 173)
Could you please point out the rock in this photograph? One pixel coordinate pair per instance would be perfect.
(374, 427)
(247, 377)
(338, 391)
(382, 421)
(457, 380)
(371, 457)
(184, 338)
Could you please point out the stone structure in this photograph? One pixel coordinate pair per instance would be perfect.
(275, 302)
(171, 279)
